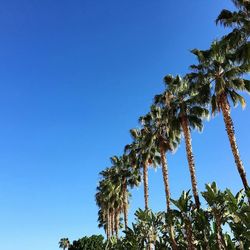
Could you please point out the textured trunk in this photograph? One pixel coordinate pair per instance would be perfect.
(189, 234)
(167, 194)
(190, 157)
(111, 223)
(145, 183)
(117, 223)
(218, 240)
(165, 177)
(219, 235)
(225, 107)
(108, 225)
(125, 203)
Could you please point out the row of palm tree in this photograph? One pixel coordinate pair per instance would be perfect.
(112, 193)
(213, 85)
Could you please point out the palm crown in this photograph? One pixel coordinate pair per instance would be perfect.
(224, 77)
(64, 243)
(183, 102)
(239, 20)
(157, 121)
(238, 39)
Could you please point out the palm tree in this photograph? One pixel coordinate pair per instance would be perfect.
(165, 139)
(143, 153)
(186, 111)
(64, 243)
(225, 79)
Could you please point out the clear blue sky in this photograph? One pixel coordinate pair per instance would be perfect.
(74, 78)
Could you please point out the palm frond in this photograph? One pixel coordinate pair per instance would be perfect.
(236, 98)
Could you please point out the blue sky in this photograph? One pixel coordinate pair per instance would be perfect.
(74, 78)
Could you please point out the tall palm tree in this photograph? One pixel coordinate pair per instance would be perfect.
(165, 139)
(64, 243)
(144, 154)
(216, 69)
(186, 111)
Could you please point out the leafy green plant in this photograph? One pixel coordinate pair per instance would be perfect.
(223, 224)
(94, 242)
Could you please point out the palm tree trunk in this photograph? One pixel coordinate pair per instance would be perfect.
(108, 224)
(117, 223)
(145, 183)
(219, 235)
(125, 203)
(112, 222)
(165, 177)
(167, 194)
(190, 157)
(225, 107)
(189, 233)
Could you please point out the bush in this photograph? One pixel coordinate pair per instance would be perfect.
(94, 242)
